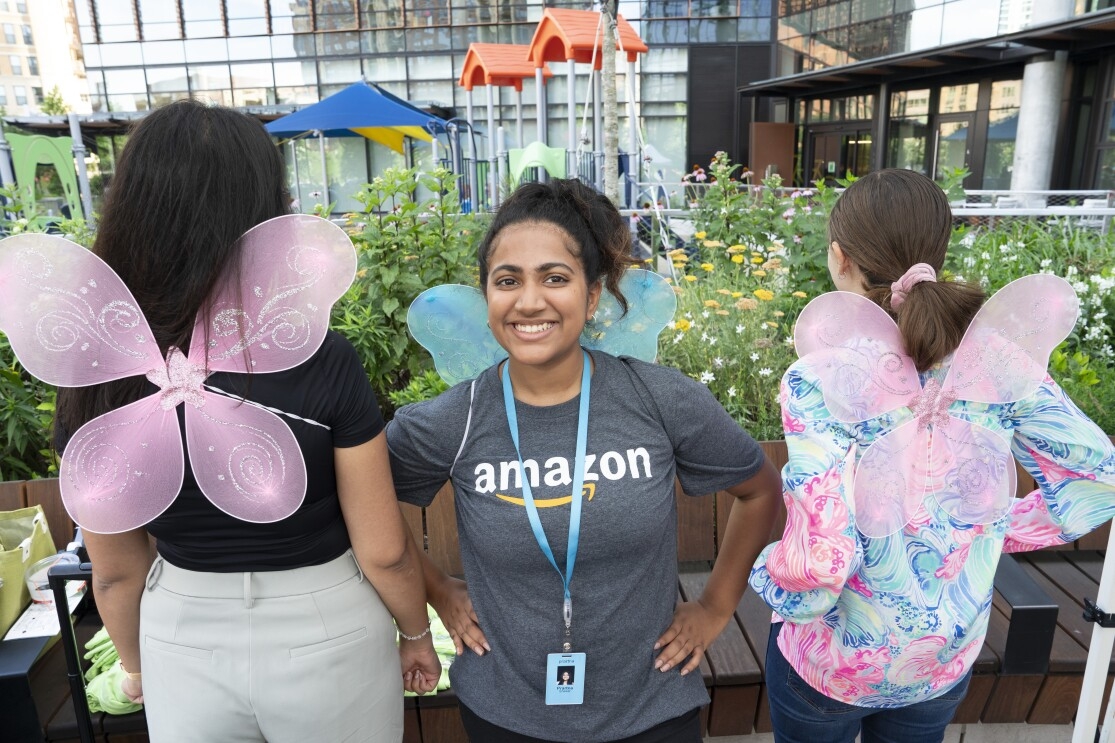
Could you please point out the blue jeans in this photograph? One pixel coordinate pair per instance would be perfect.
(801, 714)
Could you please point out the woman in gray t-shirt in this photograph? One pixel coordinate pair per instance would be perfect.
(526, 436)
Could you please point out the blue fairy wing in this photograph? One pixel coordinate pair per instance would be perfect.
(651, 303)
(451, 322)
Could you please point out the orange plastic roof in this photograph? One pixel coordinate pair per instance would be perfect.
(564, 34)
(501, 65)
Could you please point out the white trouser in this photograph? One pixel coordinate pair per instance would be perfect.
(306, 654)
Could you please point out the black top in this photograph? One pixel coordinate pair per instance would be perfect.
(330, 388)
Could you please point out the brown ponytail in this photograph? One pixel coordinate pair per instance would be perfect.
(885, 223)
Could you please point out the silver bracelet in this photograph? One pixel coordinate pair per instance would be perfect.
(412, 638)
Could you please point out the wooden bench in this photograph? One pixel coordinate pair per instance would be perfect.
(1006, 685)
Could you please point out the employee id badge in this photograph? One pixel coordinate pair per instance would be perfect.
(565, 678)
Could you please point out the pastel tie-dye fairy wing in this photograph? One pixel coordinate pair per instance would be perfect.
(451, 322)
(70, 320)
(1002, 358)
(856, 350)
(1005, 351)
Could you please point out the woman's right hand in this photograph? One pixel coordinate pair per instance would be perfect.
(132, 688)
(453, 605)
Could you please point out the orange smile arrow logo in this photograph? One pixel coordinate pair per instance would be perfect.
(589, 489)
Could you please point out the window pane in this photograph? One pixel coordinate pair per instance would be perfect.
(154, 11)
(430, 67)
(209, 77)
(428, 13)
(338, 44)
(909, 103)
(295, 73)
(163, 52)
(293, 95)
(258, 75)
(253, 97)
(249, 47)
(125, 81)
(33, 65)
(290, 17)
(28, 39)
(1105, 175)
(664, 87)
(246, 8)
(999, 158)
(206, 50)
(907, 144)
(969, 19)
(385, 69)
(119, 55)
(1006, 94)
(16, 64)
(112, 12)
(335, 15)
(919, 29)
(247, 26)
(339, 71)
(383, 42)
(957, 98)
(157, 31)
(163, 79)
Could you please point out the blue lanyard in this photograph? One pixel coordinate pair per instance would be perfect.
(578, 483)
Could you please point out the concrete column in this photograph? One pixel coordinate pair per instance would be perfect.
(1038, 115)
(324, 174)
(540, 105)
(502, 164)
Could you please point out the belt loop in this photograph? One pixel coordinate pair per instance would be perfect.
(359, 572)
(154, 573)
(248, 601)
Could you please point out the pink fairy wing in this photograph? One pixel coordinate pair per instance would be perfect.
(69, 317)
(124, 468)
(891, 480)
(971, 471)
(856, 350)
(1005, 351)
(245, 459)
(274, 314)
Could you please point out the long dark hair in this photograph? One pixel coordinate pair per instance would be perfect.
(587, 216)
(888, 221)
(191, 180)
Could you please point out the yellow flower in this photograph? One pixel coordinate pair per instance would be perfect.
(362, 273)
(747, 303)
(779, 313)
(711, 303)
(756, 259)
(683, 325)
(679, 265)
(690, 278)
(759, 272)
(648, 260)
(764, 294)
(773, 263)
(713, 243)
(700, 235)
(707, 266)
(725, 292)
(722, 312)
(771, 323)
(799, 295)
(737, 295)
(737, 248)
(737, 259)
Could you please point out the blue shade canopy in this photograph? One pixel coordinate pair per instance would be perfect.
(361, 109)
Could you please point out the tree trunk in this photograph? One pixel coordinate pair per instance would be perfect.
(611, 118)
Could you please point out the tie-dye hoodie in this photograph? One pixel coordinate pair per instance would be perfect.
(892, 621)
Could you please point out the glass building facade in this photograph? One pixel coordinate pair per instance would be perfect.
(935, 85)
(259, 54)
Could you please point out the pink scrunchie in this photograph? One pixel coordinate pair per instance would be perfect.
(914, 275)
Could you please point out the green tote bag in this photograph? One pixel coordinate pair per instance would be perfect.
(24, 540)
